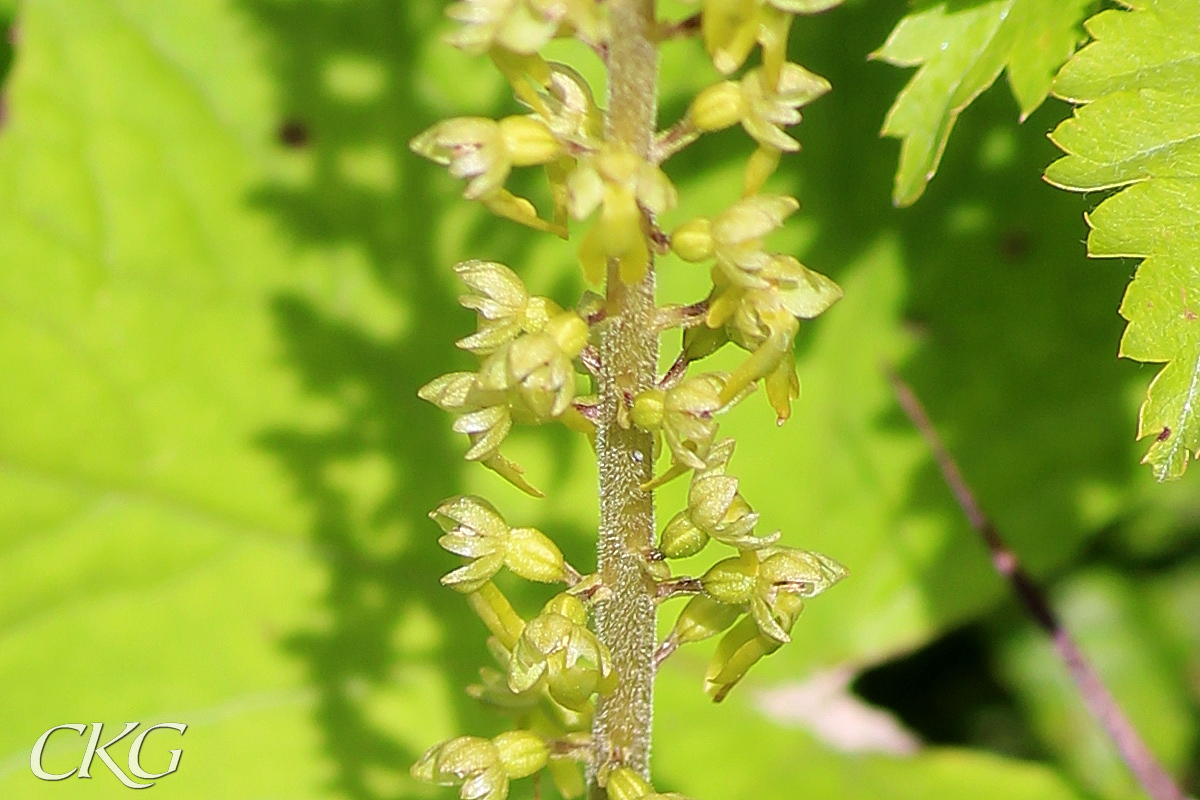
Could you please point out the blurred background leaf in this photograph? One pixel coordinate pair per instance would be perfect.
(225, 277)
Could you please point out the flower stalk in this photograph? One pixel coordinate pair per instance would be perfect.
(577, 677)
(624, 453)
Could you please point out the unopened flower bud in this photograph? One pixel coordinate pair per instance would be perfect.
(570, 332)
(681, 537)
(648, 409)
(732, 581)
(693, 241)
(717, 107)
(521, 753)
(531, 554)
(528, 141)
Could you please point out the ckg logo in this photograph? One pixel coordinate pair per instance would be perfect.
(96, 750)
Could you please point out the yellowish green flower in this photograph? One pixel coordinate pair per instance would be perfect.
(773, 106)
(620, 185)
(504, 306)
(715, 510)
(758, 579)
(763, 321)
(735, 238)
(534, 374)
(556, 649)
(530, 379)
(685, 416)
(484, 151)
(745, 645)
(523, 26)
(482, 767)
(731, 28)
(475, 530)
(763, 108)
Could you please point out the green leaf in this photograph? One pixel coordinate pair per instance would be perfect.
(206, 514)
(1138, 126)
(961, 49)
(729, 752)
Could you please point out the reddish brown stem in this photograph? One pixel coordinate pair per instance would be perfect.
(1153, 777)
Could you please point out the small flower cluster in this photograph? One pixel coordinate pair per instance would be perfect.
(758, 297)
(551, 668)
(535, 358)
(526, 346)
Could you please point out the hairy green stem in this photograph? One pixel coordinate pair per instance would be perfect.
(628, 358)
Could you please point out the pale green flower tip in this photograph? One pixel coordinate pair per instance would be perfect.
(471, 514)
(727, 62)
(813, 295)
(422, 770)
(801, 572)
(448, 392)
(717, 107)
(797, 86)
(455, 761)
(423, 144)
(804, 6)
(472, 576)
(753, 218)
(704, 617)
(649, 408)
(693, 241)
(521, 753)
(493, 281)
